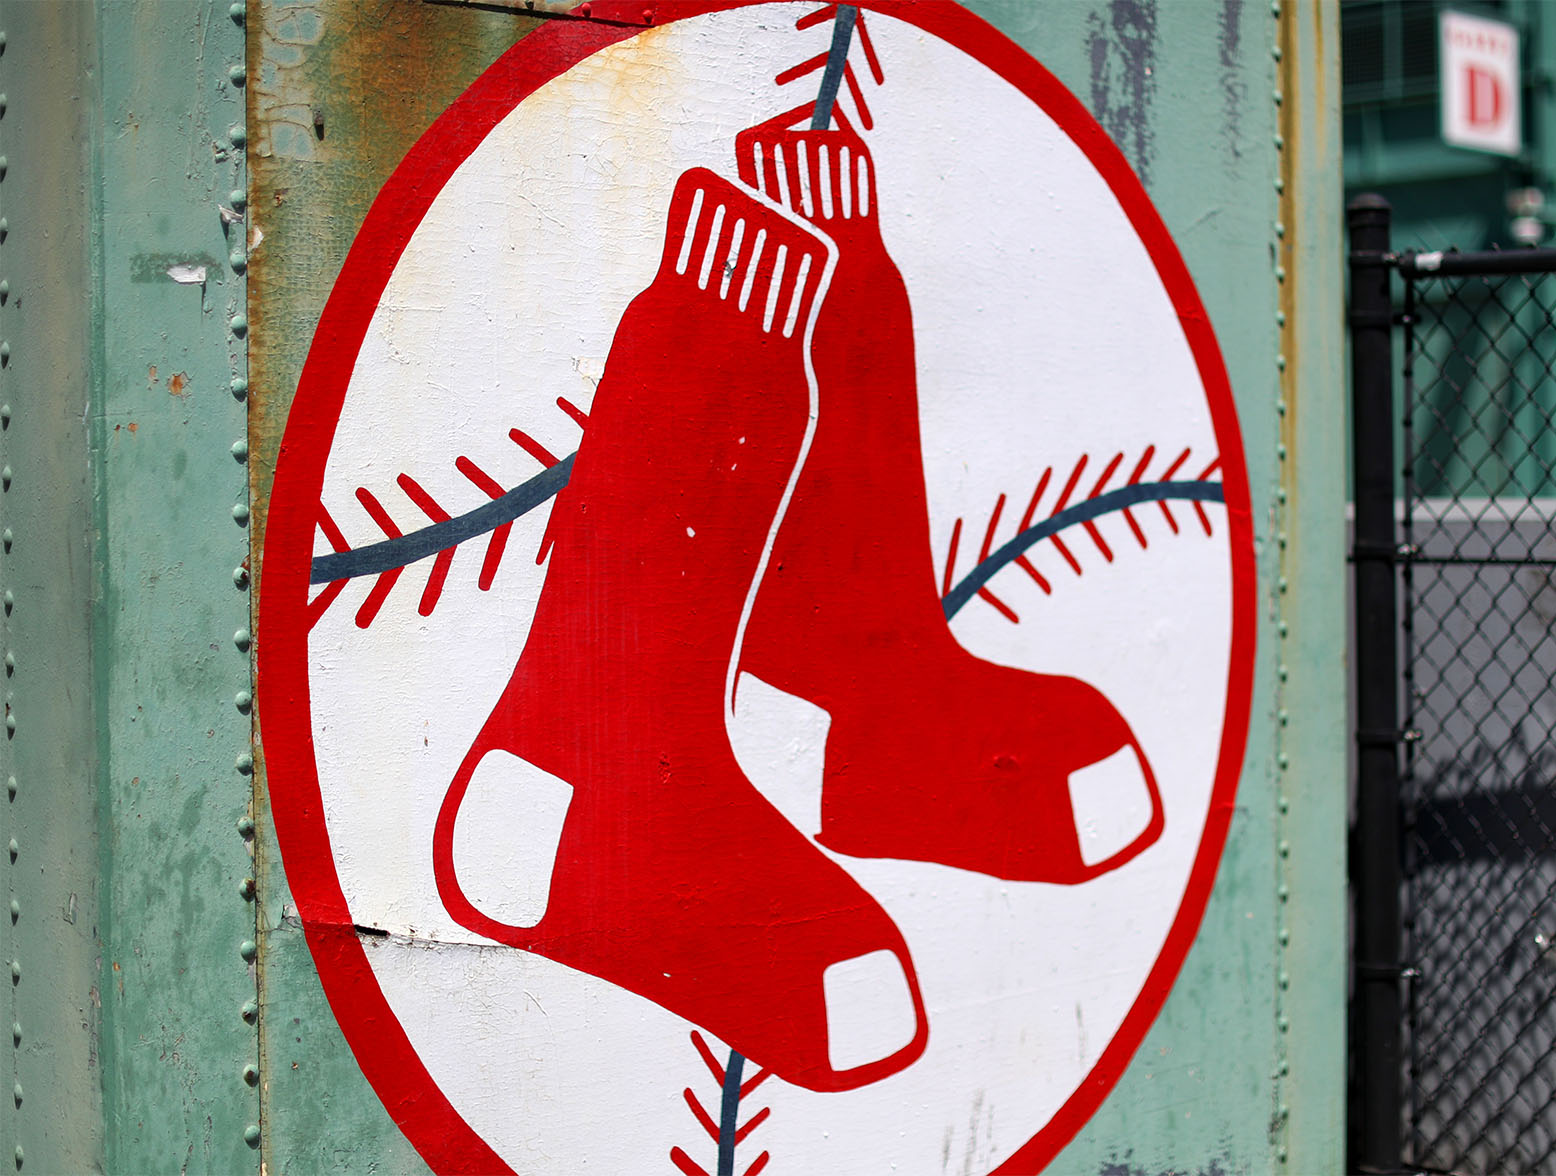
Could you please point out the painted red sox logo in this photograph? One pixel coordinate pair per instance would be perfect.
(767, 738)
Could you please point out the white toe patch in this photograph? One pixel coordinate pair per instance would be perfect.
(1111, 803)
(506, 836)
(780, 743)
(869, 1009)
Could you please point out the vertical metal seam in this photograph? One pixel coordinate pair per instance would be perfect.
(6, 540)
(252, 1076)
(1281, 253)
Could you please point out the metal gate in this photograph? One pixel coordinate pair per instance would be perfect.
(1453, 855)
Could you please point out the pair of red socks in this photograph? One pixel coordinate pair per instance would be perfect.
(749, 498)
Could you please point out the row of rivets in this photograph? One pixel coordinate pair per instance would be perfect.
(243, 699)
(1282, 758)
(8, 541)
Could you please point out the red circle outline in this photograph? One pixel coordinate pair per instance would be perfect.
(377, 1040)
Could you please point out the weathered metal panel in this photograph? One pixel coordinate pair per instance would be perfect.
(1240, 1072)
(172, 679)
(50, 1106)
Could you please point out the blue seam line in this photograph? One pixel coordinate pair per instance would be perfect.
(729, 1113)
(377, 558)
(837, 58)
(1120, 499)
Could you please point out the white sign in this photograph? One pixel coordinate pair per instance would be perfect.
(1480, 84)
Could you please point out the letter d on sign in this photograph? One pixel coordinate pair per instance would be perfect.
(1483, 96)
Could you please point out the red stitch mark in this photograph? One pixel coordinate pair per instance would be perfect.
(753, 1082)
(1134, 478)
(853, 88)
(684, 1162)
(950, 558)
(1204, 519)
(580, 417)
(386, 580)
(440, 566)
(869, 49)
(320, 603)
(1037, 495)
(795, 72)
(815, 18)
(758, 1164)
(1167, 477)
(709, 1060)
(1091, 527)
(533, 447)
(752, 1124)
(988, 541)
(499, 540)
(701, 1115)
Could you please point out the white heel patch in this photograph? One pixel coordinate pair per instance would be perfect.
(869, 1009)
(1111, 803)
(506, 836)
(780, 743)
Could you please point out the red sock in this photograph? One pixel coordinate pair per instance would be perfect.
(672, 876)
(932, 754)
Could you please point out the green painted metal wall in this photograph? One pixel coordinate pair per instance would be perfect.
(138, 438)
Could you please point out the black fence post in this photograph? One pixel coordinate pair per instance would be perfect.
(1376, 868)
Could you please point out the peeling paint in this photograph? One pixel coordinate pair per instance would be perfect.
(1122, 48)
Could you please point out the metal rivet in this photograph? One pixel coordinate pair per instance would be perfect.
(237, 134)
(1280, 318)
(1278, 97)
(235, 75)
(4, 166)
(1284, 848)
(1280, 228)
(249, 950)
(5, 228)
(243, 700)
(1283, 892)
(251, 1074)
(1280, 273)
(5, 415)
(245, 827)
(238, 198)
(10, 787)
(1280, 184)
(16, 910)
(239, 324)
(19, 1156)
(1280, 538)
(10, 724)
(246, 888)
(1284, 979)
(240, 577)
(1280, 1154)
(1281, 628)
(240, 388)
(5, 289)
(240, 514)
(16, 1093)
(1280, 495)
(5, 352)
(1285, 804)
(237, 13)
(238, 261)
(244, 763)
(1282, 671)
(7, 538)
(250, 1011)
(5, 478)
(1280, 142)
(1275, 52)
(240, 450)
(10, 601)
(242, 639)
(13, 849)
(10, 663)
(1283, 716)
(251, 1135)
(16, 971)
(16, 1032)
(1280, 363)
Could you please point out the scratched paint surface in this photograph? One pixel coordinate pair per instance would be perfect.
(1146, 74)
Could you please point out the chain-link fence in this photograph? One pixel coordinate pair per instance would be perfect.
(1454, 854)
(1479, 659)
